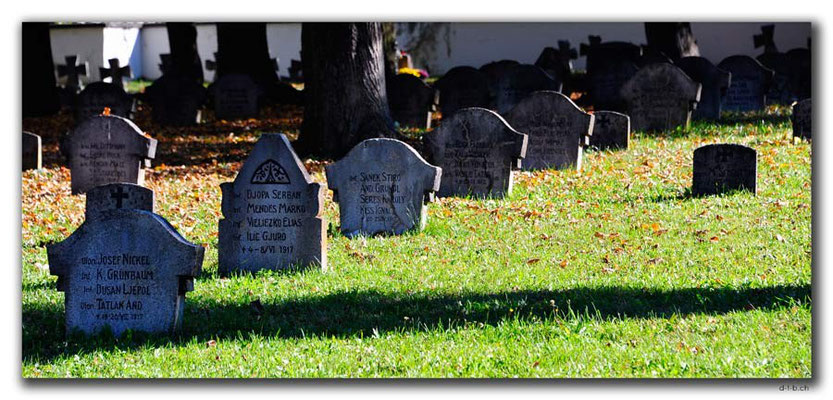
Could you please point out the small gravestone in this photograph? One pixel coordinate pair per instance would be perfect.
(611, 130)
(32, 154)
(235, 97)
(125, 269)
(381, 187)
(272, 213)
(107, 149)
(477, 151)
(749, 86)
(118, 196)
(519, 82)
(115, 72)
(722, 168)
(100, 95)
(802, 119)
(411, 101)
(462, 87)
(176, 100)
(660, 97)
(557, 130)
(715, 82)
(800, 72)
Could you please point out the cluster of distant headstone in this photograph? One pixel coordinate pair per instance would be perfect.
(128, 268)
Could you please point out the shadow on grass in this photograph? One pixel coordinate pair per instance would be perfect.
(364, 313)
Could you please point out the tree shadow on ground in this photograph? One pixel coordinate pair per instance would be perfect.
(363, 313)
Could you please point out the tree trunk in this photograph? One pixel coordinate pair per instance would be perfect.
(242, 49)
(40, 95)
(674, 39)
(182, 38)
(344, 85)
(389, 45)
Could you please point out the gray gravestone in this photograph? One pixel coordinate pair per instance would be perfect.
(176, 100)
(611, 130)
(118, 196)
(100, 95)
(32, 155)
(272, 213)
(235, 97)
(462, 87)
(715, 82)
(749, 86)
(519, 82)
(802, 119)
(381, 187)
(556, 128)
(722, 168)
(660, 97)
(107, 149)
(411, 101)
(125, 269)
(477, 151)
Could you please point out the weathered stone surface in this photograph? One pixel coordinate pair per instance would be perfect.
(125, 269)
(462, 87)
(477, 151)
(272, 213)
(100, 95)
(235, 96)
(715, 82)
(176, 100)
(107, 149)
(611, 130)
(749, 86)
(520, 81)
(381, 187)
(660, 97)
(32, 154)
(494, 71)
(802, 119)
(722, 168)
(557, 130)
(118, 196)
(411, 101)
(604, 85)
(779, 91)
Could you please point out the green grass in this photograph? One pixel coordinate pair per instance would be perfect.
(614, 271)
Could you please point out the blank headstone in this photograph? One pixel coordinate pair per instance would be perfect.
(381, 187)
(107, 149)
(749, 86)
(722, 168)
(660, 97)
(611, 130)
(802, 119)
(118, 196)
(462, 87)
(715, 82)
(235, 97)
(272, 213)
(176, 100)
(477, 151)
(557, 130)
(411, 101)
(520, 81)
(31, 151)
(100, 95)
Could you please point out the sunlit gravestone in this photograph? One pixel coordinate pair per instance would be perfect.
(802, 119)
(724, 168)
(749, 86)
(611, 130)
(660, 97)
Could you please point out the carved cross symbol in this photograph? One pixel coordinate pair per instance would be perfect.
(116, 72)
(119, 195)
(766, 39)
(72, 70)
(601, 123)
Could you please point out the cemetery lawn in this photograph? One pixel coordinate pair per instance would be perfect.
(614, 271)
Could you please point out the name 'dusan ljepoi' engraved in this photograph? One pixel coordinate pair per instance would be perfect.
(112, 281)
(379, 193)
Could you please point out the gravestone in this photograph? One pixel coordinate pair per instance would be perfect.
(519, 82)
(176, 100)
(660, 97)
(604, 85)
(779, 91)
(117, 196)
(557, 130)
(601, 55)
(32, 155)
(651, 55)
(381, 187)
(749, 86)
(611, 130)
(800, 72)
(115, 72)
(802, 119)
(107, 149)
(100, 95)
(477, 151)
(462, 87)
(411, 101)
(272, 213)
(722, 168)
(558, 62)
(72, 70)
(494, 71)
(125, 269)
(235, 96)
(714, 81)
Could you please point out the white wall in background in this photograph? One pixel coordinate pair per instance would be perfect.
(86, 42)
(154, 43)
(124, 44)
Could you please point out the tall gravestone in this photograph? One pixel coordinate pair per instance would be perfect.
(32, 158)
(411, 101)
(519, 82)
(381, 187)
(235, 96)
(477, 151)
(660, 97)
(100, 95)
(107, 149)
(802, 119)
(124, 268)
(714, 81)
(557, 130)
(749, 86)
(722, 168)
(272, 213)
(176, 100)
(462, 87)
(611, 130)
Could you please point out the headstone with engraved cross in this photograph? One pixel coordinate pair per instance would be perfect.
(723, 168)
(117, 196)
(115, 72)
(72, 70)
(611, 130)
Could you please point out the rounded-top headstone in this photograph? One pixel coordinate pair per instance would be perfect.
(411, 101)
(611, 130)
(723, 168)
(749, 86)
(520, 81)
(715, 82)
(235, 96)
(176, 100)
(100, 95)
(660, 97)
(462, 87)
